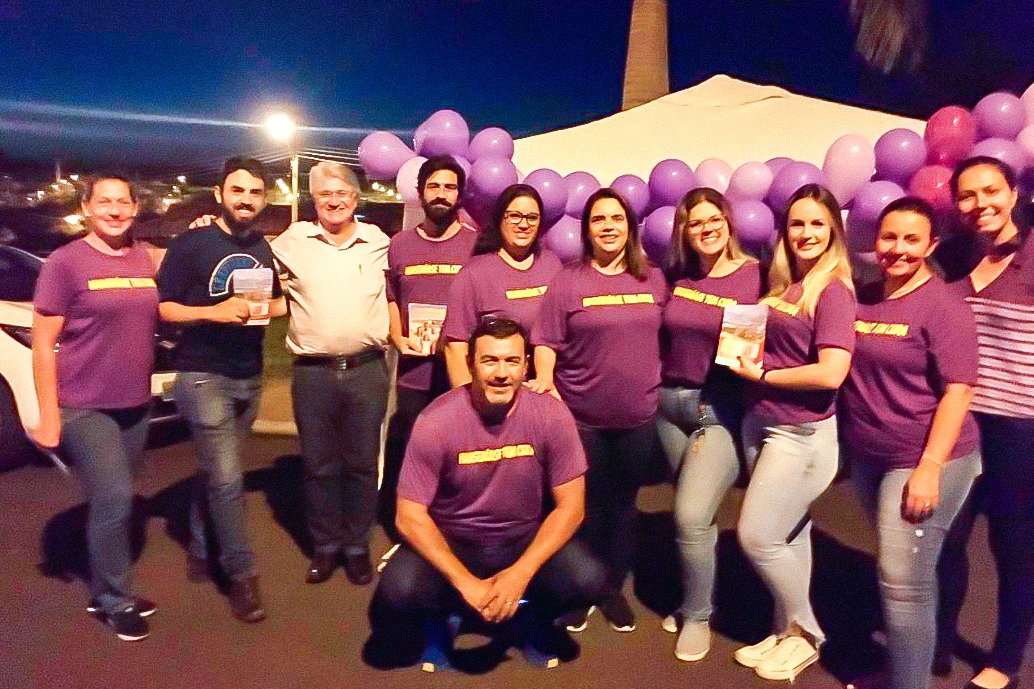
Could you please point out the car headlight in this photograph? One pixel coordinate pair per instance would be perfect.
(23, 335)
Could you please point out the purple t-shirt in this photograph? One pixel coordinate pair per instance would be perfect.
(485, 484)
(421, 271)
(793, 338)
(908, 349)
(488, 285)
(110, 307)
(605, 332)
(693, 321)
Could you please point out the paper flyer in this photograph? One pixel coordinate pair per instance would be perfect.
(256, 286)
(425, 325)
(743, 334)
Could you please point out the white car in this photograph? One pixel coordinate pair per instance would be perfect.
(19, 409)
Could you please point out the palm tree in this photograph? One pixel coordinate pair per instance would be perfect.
(891, 34)
(646, 67)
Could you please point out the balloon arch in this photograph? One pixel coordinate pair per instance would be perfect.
(863, 177)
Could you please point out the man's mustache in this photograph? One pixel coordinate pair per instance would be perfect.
(244, 207)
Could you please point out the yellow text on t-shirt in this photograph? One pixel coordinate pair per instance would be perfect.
(119, 283)
(618, 299)
(703, 297)
(782, 306)
(889, 329)
(432, 269)
(526, 293)
(496, 454)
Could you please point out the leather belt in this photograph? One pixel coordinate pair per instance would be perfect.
(340, 362)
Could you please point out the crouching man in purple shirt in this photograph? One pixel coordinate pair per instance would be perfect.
(470, 508)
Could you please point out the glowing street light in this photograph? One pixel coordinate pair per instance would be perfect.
(281, 127)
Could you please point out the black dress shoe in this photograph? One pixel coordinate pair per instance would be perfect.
(358, 568)
(321, 568)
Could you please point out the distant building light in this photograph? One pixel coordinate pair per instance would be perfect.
(73, 219)
(398, 197)
(282, 186)
(74, 178)
(182, 179)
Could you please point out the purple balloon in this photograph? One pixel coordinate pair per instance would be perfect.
(1000, 115)
(553, 190)
(777, 164)
(465, 164)
(899, 153)
(1028, 104)
(1005, 150)
(564, 239)
(489, 176)
(1025, 140)
(491, 141)
(381, 154)
(755, 224)
(405, 180)
(657, 230)
(750, 182)
(635, 192)
(669, 181)
(849, 164)
(787, 181)
(445, 132)
(950, 133)
(580, 186)
(714, 173)
(869, 202)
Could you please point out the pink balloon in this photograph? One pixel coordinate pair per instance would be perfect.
(580, 186)
(850, 163)
(755, 224)
(1028, 104)
(553, 190)
(931, 183)
(999, 114)
(950, 133)
(405, 180)
(635, 192)
(714, 173)
(1025, 140)
(491, 141)
(445, 132)
(750, 182)
(564, 239)
(657, 230)
(382, 154)
(1005, 150)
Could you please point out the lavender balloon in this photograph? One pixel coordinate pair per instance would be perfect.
(750, 182)
(564, 239)
(1028, 104)
(491, 141)
(445, 132)
(1005, 150)
(869, 202)
(635, 192)
(465, 164)
(755, 224)
(657, 231)
(553, 190)
(787, 181)
(381, 154)
(899, 153)
(669, 181)
(849, 164)
(1025, 140)
(1000, 115)
(777, 164)
(490, 175)
(714, 173)
(580, 185)
(405, 180)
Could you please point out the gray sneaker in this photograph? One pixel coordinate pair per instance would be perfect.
(694, 641)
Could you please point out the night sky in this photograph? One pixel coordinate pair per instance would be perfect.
(525, 66)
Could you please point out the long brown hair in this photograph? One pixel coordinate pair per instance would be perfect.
(682, 261)
(636, 262)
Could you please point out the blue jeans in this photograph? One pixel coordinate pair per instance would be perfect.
(701, 449)
(791, 465)
(907, 557)
(102, 446)
(220, 411)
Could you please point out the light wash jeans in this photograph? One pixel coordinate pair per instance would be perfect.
(103, 447)
(701, 449)
(220, 411)
(791, 465)
(907, 557)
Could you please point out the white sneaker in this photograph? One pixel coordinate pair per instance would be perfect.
(671, 623)
(751, 656)
(789, 658)
(694, 642)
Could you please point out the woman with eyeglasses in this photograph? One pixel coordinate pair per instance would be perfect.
(597, 348)
(912, 446)
(507, 276)
(700, 401)
(790, 427)
(1000, 292)
(96, 311)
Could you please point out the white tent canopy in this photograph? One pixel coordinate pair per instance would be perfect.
(722, 117)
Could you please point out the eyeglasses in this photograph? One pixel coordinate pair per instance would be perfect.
(435, 186)
(342, 194)
(715, 222)
(515, 218)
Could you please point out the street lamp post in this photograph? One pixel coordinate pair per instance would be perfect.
(282, 128)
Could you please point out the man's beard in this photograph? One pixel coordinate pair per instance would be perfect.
(239, 226)
(441, 215)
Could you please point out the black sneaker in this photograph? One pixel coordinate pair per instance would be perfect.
(144, 607)
(618, 613)
(576, 621)
(128, 625)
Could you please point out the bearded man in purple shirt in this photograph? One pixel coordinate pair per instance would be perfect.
(470, 508)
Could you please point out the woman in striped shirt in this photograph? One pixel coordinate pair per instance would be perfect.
(1000, 291)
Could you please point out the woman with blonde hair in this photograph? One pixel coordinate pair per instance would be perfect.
(701, 402)
(790, 429)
